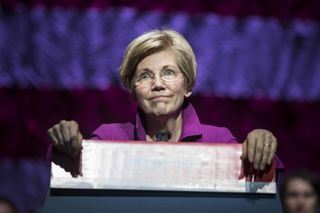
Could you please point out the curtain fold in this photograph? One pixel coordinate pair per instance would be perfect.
(246, 58)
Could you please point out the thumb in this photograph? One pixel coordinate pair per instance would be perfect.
(244, 150)
(80, 138)
(242, 175)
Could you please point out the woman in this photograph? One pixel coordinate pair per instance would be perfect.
(300, 192)
(159, 71)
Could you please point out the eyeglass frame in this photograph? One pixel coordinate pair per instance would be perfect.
(153, 75)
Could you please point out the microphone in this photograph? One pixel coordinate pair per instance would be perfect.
(164, 135)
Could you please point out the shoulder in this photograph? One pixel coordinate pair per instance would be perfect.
(114, 131)
(217, 134)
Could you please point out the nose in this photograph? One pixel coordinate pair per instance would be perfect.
(157, 83)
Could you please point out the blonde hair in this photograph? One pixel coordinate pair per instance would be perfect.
(155, 41)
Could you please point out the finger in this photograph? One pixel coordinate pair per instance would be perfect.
(75, 136)
(73, 128)
(76, 139)
(76, 144)
(258, 152)
(64, 129)
(273, 150)
(80, 140)
(266, 152)
(54, 140)
(251, 146)
(244, 150)
(58, 135)
(74, 174)
(80, 163)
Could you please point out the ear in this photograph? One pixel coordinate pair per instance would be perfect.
(187, 93)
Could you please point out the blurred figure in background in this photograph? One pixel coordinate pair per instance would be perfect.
(6, 205)
(299, 193)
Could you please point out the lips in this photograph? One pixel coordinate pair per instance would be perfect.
(159, 97)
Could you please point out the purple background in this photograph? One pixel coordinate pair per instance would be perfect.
(258, 64)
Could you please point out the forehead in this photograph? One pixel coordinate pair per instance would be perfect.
(158, 60)
(299, 184)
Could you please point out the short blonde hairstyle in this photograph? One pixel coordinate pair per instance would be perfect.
(155, 41)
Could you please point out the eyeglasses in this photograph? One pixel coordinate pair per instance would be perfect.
(147, 76)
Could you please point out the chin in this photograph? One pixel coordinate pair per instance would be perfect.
(163, 112)
(160, 109)
(160, 112)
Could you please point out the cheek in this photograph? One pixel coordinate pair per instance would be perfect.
(290, 204)
(312, 201)
(141, 92)
(290, 201)
(177, 88)
(180, 93)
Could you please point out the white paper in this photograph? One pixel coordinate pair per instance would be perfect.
(160, 166)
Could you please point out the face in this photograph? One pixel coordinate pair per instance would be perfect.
(300, 197)
(5, 208)
(157, 96)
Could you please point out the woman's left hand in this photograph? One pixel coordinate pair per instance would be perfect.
(259, 148)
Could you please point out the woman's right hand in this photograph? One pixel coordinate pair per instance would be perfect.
(66, 137)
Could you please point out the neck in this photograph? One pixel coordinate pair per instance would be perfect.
(172, 123)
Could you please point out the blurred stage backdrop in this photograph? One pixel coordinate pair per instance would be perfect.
(258, 67)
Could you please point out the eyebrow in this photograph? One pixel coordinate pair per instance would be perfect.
(164, 67)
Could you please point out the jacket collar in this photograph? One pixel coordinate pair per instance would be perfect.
(190, 126)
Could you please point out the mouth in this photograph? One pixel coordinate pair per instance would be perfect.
(159, 98)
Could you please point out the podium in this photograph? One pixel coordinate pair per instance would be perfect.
(122, 201)
(124, 188)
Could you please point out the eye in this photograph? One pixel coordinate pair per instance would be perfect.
(169, 72)
(145, 75)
